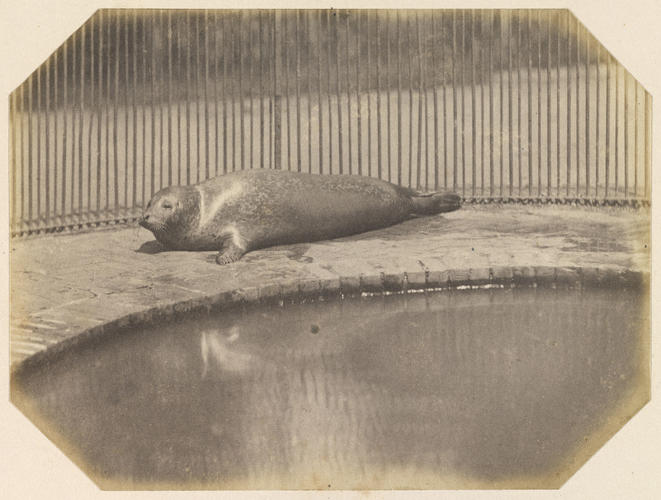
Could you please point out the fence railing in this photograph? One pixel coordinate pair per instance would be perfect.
(489, 103)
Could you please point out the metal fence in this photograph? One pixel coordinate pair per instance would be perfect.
(493, 104)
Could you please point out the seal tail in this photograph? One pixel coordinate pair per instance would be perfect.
(435, 203)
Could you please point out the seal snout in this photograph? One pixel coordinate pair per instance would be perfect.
(144, 221)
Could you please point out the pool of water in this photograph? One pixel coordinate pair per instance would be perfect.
(472, 388)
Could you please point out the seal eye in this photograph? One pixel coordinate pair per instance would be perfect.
(167, 204)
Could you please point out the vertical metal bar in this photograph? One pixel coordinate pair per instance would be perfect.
(117, 58)
(143, 106)
(587, 114)
(399, 101)
(369, 97)
(298, 93)
(52, 109)
(529, 78)
(626, 133)
(93, 111)
(274, 105)
(13, 129)
(169, 96)
(214, 82)
(39, 112)
(509, 103)
(480, 65)
(378, 95)
(65, 110)
(491, 34)
(251, 96)
(81, 122)
(635, 141)
(17, 213)
(539, 104)
(99, 112)
(241, 96)
(235, 31)
(134, 52)
(162, 110)
(455, 146)
(206, 31)
(21, 129)
(501, 100)
(578, 108)
(107, 79)
(125, 81)
(176, 36)
(445, 115)
(435, 94)
(261, 90)
(18, 166)
(410, 74)
(225, 93)
(152, 92)
(285, 64)
(330, 112)
(47, 135)
(569, 110)
(608, 124)
(337, 92)
(30, 134)
(308, 23)
(56, 136)
(463, 106)
(548, 108)
(320, 109)
(617, 128)
(388, 114)
(348, 82)
(359, 125)
(426, 119)
(557, 110)
(26, 181)
(187, 96)
(648, 143)
(598, 98)
(519, 26)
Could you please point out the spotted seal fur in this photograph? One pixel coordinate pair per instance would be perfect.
(243, 211)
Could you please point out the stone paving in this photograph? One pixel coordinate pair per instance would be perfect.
(63, 285)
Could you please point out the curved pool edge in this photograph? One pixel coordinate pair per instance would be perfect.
(311, 289)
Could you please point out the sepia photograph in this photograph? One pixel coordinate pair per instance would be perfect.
(312, 249)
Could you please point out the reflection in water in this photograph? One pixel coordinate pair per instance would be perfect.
(437, 390)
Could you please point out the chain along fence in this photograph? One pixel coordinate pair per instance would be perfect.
(493, 104)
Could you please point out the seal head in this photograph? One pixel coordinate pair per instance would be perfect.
(170, 213)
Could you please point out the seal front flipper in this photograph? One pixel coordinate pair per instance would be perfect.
(230, 254)
(234, 245)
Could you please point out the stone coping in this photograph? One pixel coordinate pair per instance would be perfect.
(309, 290)
(64, 286)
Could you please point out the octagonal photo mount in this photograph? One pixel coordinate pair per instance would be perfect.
(110, 97)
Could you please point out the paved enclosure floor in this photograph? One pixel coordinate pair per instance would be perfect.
(63, 285)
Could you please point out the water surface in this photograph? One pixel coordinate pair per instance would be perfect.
(484, 388)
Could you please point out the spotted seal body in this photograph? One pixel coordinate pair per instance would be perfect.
(243, 211)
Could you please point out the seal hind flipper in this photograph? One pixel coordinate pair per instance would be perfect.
(435, 203)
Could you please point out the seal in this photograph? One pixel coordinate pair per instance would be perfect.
(251, 209)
